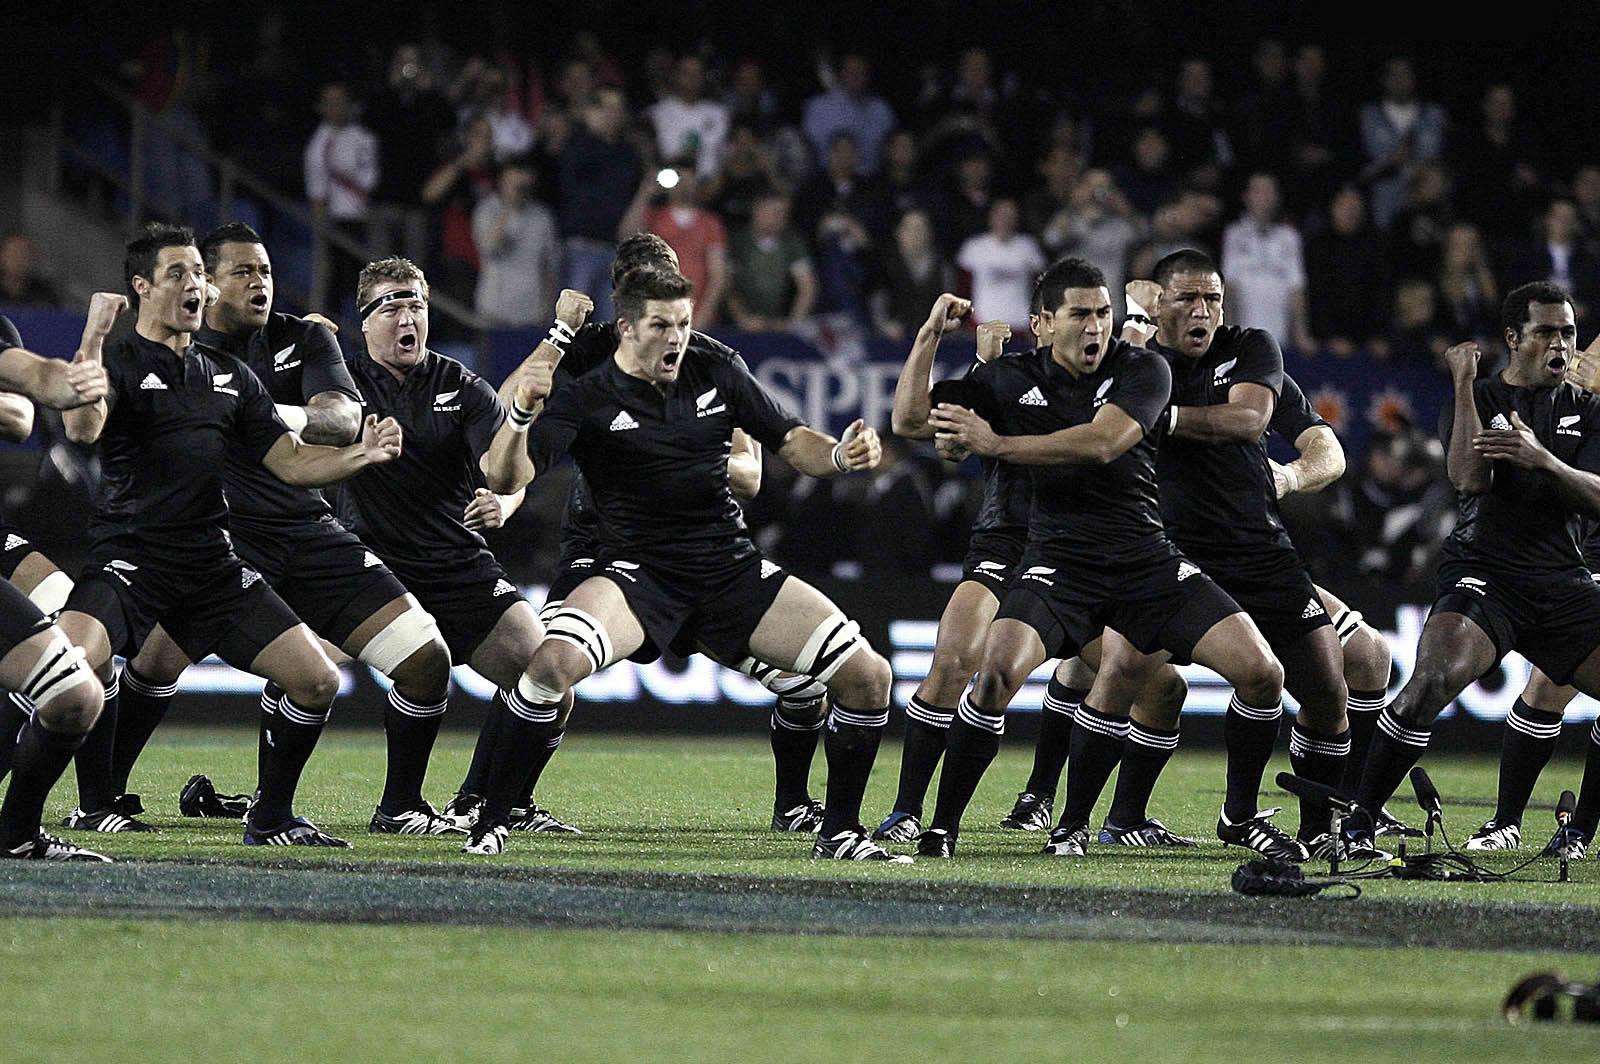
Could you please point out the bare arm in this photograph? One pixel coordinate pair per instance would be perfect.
(84, 424)
(1519, 446)
(309, 465)
(488, 510)
(1321, 462)
(506, 465)
(744, 465)
(331, 418)
(1470, 471)
(816, 454)
(911, 405)
(16, 416)
(1242, 419)
(1105, 439)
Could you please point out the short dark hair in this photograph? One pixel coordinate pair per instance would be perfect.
(1036, 297)
(1064, 274)
(1519, 301)
(232, 233)
(641, 249)
(646, 283)
(1184, 260)
(142, 251)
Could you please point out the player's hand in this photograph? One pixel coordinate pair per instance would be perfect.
(103, 310)
(1584, 370)
(1462, 361)
(327, 323)
(1145, 293)
(484, 511)
(1517, 445)
(950, 450)
(992, 337)
(573, 307)
(380, 440)
(862, 448)
(535, 385)
(1281, 484)
(962, 426)
(948, 312)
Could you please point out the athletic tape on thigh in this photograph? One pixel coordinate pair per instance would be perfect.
(829, 647)
(399, 639)
(59, 668)
(1346, 622)
(571, 625)
(50, 594)
(794, 686)
(549, 610)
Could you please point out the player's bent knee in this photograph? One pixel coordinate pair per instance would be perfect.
(864, 680)
(993, 688)
(316, 688)
(400, 640)
(831, 644)
(573, 628)
(65, 692)
(1169, 691)
(1259, 681)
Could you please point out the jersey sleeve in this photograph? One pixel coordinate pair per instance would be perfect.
(325, 369)
(481, 415)
(256, 422)
(9, 337)
(552, 434)
(1294, 413)
(1260, 361)
(593, 343)
(754, 408)
(1142, 390)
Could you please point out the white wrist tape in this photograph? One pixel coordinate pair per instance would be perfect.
(560, 335)
(519, 417)
(1293, 477)
(293, 416)
(841, 463)
(1135, 310)
(1172, 420)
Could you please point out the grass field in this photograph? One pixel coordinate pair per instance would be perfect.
(678, 928)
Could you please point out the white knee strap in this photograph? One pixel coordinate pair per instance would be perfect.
(549, 610)
(50, 594)
(57, 670)
(1346, 622)
(538, 698)
(400, 638)
(796, 687)
(571, 625)
(829, 647)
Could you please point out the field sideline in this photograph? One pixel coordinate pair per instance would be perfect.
(678, 911)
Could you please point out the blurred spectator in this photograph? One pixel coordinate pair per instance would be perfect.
(915, 274)
(839, 189)
(1398, 507)
(452, 194)
(660, 73)
(341, 170)
(513, 135)
(1265, 267)
(1348, 282)
(746, 172)
(1149, 182)
(968, 197)
(850, 107)
(900, 174)
(668, 204)
(1196, 128)
(1265, 116)
(1322, 138)
(1558, 254)
(1497, 166)
(1002, 263)
(1398, 131)
(688, 124)
(19, 285)
(516, 240)
(1100, 225)
(599, 170)
(1419, 330)
(1174, 226)
(1419, 229)
(1469, 296)
(751, 102)
(172, 78)
(1586, 197)
(774, 283)
(413, 123)
(1045, 209)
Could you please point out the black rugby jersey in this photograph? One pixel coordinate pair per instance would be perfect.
(1099, 516)
(9, 337)
(1007, 488)
(409, 511)
(1522, 525)
(295, 360)
(1294, 412)
(170, 423)
(657, 465)
(1218, 498)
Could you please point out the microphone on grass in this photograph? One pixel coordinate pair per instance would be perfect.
(1565, 806)
(1428, 799)
(1313, 791)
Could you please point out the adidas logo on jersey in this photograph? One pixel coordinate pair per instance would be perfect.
(280, 359)
(248, 577)
(1313, 609)
(1499, 422)
(703, 407)
(504, 587)
(1566, 426)
(1472, 584)
(13, 541)
(443, 398)
(623, 421)
(1186, 570)
(1033, 397)
(1040, 573)
(1100, 392)
(152, 383)
(220, 382)
(769, 568)
(1220, 374)
(369, 560)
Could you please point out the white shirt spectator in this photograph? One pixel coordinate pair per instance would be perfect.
(1002, 276)
(1264, 266)
(699, 129)
(341, 165)
(516, 285)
